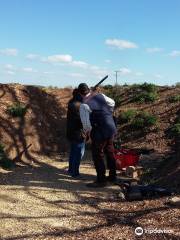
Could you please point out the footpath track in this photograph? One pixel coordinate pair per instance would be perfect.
(43, 202)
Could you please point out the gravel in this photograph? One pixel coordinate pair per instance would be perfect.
(43, 202)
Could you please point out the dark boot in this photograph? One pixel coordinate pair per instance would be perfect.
(97, 184)
(111, 179)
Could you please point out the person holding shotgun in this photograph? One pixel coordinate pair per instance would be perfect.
(96, 113)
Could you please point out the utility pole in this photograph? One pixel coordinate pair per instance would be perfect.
(116, 77)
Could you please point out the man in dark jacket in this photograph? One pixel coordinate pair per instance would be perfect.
(75, 134)
(97, 119)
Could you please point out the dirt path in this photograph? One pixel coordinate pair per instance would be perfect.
(43, 202)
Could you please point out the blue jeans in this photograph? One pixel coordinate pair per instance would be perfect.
(76, 154)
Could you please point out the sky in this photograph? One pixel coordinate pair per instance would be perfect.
(65, 42)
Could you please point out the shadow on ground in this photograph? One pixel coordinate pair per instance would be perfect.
(43, 126)
(43, 202)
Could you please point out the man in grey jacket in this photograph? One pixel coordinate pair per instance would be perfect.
(97, 120)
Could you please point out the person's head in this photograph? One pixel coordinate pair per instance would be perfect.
(83, 89)
(76, 95)
(75, 92)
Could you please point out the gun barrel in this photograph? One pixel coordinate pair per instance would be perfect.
(99, 83)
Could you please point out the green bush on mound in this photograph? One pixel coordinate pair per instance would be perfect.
(178, 84)
(144, 93)
(1, 148)
(144, 120)
(128, 115)
(17, 110)
(149, 87)
(5, 162)
(145, 97)
(174, 99)
(108, 87)
(113, 92)
(175, 130)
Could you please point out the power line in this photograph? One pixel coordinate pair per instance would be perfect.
(116, 77)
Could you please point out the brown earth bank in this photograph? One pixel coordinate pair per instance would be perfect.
(40, 201)
(43, 125)
(166, 113)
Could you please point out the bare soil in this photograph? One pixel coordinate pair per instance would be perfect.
(38, 200)
(42, 202)
(44, 125)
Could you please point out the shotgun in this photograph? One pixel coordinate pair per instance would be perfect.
(99, 83)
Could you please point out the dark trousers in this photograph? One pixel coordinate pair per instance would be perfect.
(99, 149)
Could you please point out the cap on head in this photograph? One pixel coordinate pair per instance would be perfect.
(83, 89)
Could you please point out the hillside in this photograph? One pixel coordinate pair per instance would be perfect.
(43, 125)
(163, 108)
(39, 200)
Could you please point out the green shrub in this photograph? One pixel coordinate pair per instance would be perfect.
(128, 115)
(108, 87)
(144, 93)
(149, 87)
(144, 120)
(138, 123)
(17, 110)
(145, 97)
(5, 162)
(114, 94)
(135, 86)
(175, 130)
(175, 98)
(178, 84)
(117, 100)
(150, 120)
(1, 148)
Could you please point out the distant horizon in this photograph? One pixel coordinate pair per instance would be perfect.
(66, 42)
(177, 84)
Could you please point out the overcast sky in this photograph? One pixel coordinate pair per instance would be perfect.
(65, 42)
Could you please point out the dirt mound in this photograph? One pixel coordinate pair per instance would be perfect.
(161, 170)
(43, 125)
(165, 111)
